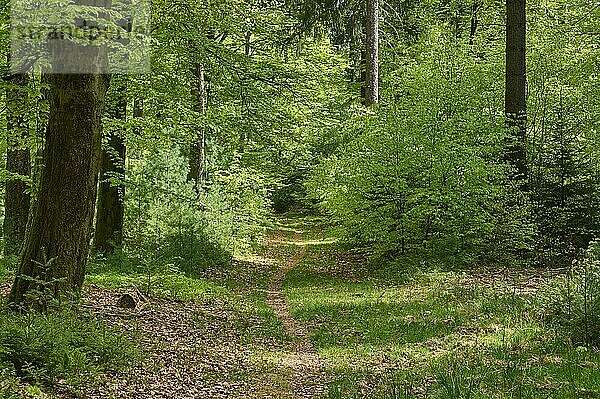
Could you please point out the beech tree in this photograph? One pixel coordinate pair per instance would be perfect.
(198, 145)
(57, 241)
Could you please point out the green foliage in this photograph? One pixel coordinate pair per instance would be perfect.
(423, 172)
(7, 267)
(160, 233)
(564, 112)
(8, 388)
(572, 302)
(45, 348)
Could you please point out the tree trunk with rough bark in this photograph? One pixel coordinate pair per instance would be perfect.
(57, 241)
(515, 94)
(18, 165)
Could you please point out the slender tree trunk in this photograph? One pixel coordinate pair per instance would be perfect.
(372, 53)
(18, 165)
(363, 74)
(58, 236)
(474, 21)
(248, 44)
(138, 112)
(514, 100)
(198, 147)
(458, 21)
(108, 234)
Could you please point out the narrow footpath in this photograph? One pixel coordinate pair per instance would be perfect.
(304, 360)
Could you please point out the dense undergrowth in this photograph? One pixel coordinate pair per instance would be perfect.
(64, 348)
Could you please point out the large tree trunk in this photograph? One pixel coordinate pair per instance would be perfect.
(514, 100)
(372, 53)
(57, 240)
(198, 146)
(108, 234)
(18, 165)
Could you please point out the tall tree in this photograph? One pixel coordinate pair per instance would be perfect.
(18, 164)
(108, 234)
(57, 241)
(514, 100)
(372, 53)
(198, 147)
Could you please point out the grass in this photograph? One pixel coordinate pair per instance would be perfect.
(384, 333)
(165, 285)
(430, 334)
(238, 288)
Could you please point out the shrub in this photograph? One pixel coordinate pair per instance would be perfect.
(573, 301)
(168, 223)
(44, 348)
(424, 175)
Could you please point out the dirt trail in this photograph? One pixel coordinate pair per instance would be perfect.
(303, 360)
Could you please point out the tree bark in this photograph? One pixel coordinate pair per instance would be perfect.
(58, 236)
(108, 234)
(515, 94)
(18, 165)
(198, 146)
(475, 7)
(372, 53)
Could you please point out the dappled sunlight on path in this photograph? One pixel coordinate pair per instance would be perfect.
(303, 359)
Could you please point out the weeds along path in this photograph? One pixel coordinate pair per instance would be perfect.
(304, 360)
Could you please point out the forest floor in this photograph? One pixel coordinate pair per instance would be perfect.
(305, 318)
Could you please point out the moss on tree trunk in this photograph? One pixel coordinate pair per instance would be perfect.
(57, 240)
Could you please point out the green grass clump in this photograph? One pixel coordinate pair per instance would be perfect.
(437, 334)
(572, 302)
(46, 348)
(174, 286)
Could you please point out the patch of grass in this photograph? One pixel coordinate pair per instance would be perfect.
(169, 286)
(395, 334)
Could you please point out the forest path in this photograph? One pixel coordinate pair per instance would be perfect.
(304, 360)
(228, 333)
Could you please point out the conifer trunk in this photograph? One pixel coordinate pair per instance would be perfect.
(372, 53)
